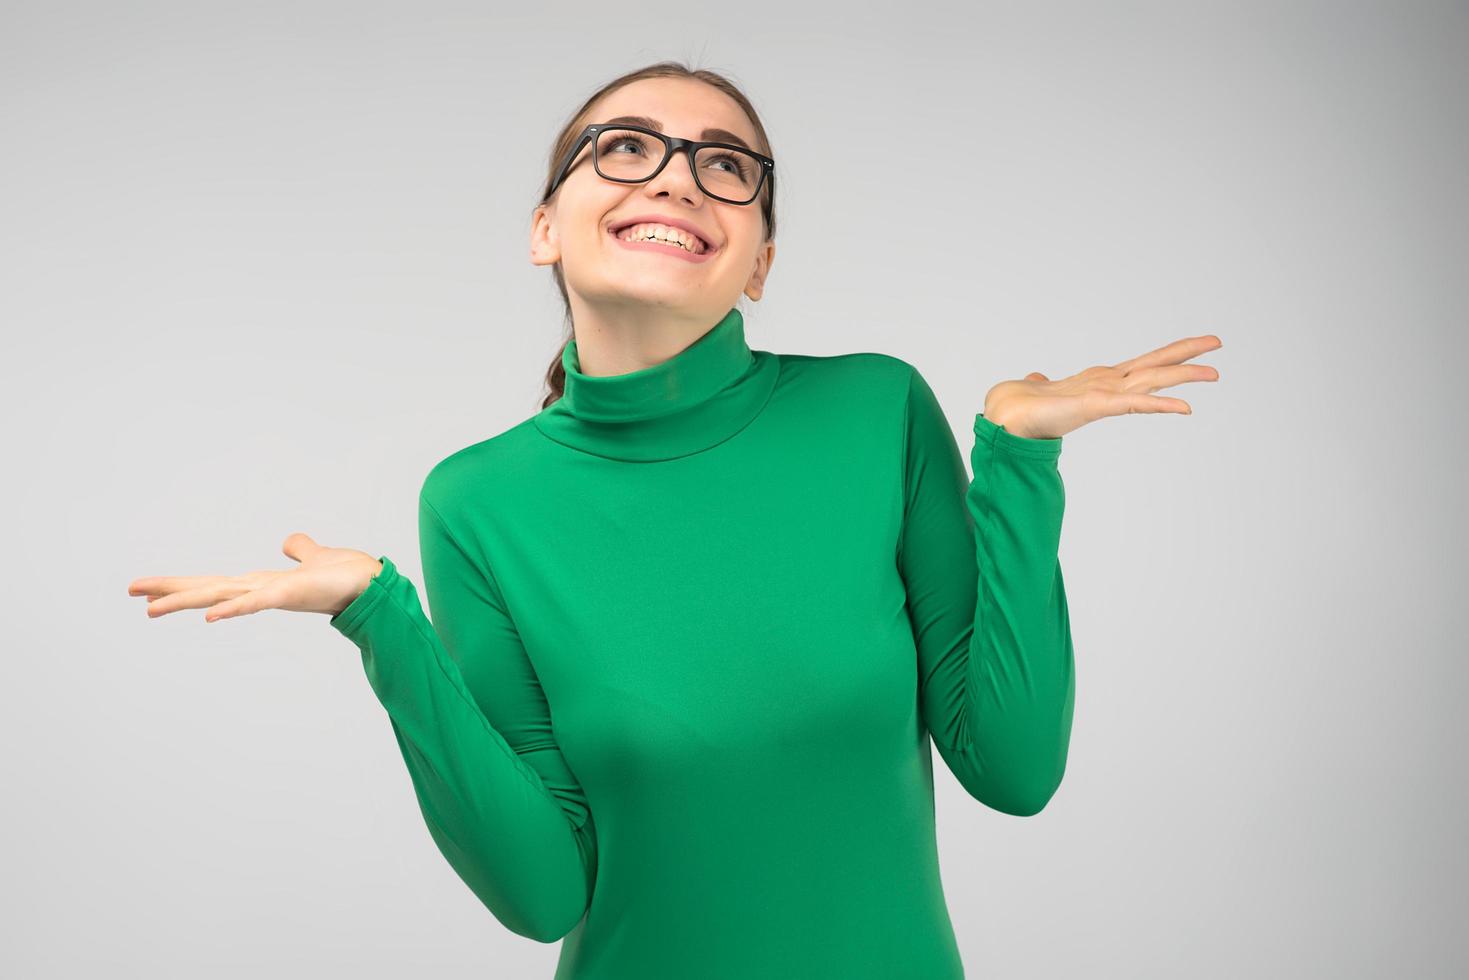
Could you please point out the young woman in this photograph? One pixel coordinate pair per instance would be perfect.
(695, 622)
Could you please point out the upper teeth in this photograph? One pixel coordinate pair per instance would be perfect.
(662, 233)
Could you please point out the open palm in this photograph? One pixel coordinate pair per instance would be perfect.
(1039, 408)
(325, 581)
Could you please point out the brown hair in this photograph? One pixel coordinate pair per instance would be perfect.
(556, 374)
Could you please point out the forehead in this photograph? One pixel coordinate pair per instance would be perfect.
(680, 106)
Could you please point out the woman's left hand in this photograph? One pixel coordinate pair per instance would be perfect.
(1038, 408)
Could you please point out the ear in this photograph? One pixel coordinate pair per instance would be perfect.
(545, 244)
(755, 287)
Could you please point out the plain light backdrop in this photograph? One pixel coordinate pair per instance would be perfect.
(261, 266)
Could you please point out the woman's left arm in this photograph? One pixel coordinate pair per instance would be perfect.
(987, 604)
(980, 563)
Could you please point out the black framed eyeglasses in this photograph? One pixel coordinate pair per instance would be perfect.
(635, 154)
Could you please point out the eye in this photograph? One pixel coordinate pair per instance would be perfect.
(625, 140)
(728, 162)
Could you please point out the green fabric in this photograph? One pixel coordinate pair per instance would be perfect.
(693, 628)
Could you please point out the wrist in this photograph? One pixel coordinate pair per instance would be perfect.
(360, 588)
(999, 419)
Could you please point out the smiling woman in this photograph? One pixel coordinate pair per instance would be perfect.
(620, 160)
(699, 622)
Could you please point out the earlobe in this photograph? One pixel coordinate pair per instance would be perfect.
(755, 286)
(544, 248)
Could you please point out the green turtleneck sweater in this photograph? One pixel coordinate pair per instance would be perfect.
(693, 628)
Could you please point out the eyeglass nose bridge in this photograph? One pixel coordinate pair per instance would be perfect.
(674, 144)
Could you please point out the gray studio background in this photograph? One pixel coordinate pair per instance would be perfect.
(261, 266)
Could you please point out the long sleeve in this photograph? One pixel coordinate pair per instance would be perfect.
(474, 729)
(979, 561)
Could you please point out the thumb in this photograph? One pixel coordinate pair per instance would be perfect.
(1036, 376)
(300, 546)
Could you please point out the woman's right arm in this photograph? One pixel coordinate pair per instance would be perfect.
(474, 729)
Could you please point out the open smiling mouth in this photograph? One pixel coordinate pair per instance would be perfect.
(662, 238)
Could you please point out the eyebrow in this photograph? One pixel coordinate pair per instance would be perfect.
(712, 133)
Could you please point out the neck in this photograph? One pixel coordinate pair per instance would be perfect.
(622, 336)
(692, 400)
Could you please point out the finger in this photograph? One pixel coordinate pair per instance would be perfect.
(1036, 376)
(197, 598)
(254, 601)
(157, 585)
(1137, 404)
(1179, 350)
(1151, 379)
(300, 546)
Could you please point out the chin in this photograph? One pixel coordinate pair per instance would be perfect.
(653, 291)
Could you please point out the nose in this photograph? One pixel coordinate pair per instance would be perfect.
(676, 178)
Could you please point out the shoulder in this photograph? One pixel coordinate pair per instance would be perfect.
(480, 470)
(878, 385)
(869, 377)
(864, 366)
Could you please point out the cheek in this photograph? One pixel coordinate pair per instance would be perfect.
(745, 232)
(741, 247)
(583, 211)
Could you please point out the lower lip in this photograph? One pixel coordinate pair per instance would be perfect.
(677, 251)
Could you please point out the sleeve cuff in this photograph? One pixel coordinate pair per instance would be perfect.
(997, 435)
(347, 621)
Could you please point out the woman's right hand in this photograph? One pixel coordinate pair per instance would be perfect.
(325, 581)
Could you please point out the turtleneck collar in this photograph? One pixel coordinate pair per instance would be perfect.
(690, 402)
